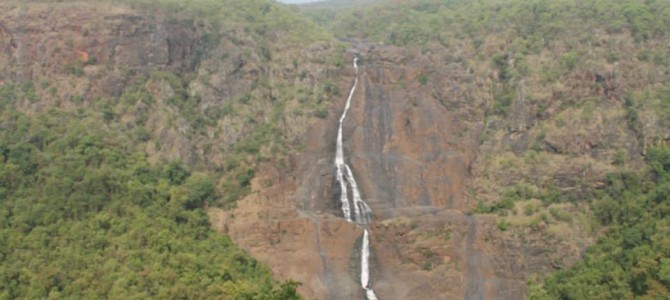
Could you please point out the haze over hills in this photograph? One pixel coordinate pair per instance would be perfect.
(298, 1)
(337, 150)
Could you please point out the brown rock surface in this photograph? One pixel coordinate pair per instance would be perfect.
(412, 160)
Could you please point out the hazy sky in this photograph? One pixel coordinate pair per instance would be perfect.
(298, 1)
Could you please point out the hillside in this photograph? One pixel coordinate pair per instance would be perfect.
(185, 149)
(122, 121)
(563, 100)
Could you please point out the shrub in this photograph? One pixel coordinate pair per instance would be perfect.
(569, 60)
(321, 112)
(620, 157)
(423, 79)
(428, 265)
(503, 225)
(560, 215)
(175, 173)
(529, 209)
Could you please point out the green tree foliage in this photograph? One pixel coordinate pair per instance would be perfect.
(537, 22)
(84, 217)
(258, 17)
(632, 259)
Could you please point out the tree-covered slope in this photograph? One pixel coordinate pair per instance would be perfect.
(122, 121)
(632, 259)
(539, 22)
(209, 82)
(84, 216)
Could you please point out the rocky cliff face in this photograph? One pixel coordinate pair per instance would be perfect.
(426, 149)
(412, 156)
(419, 138)
(42, 41)
(186, 87)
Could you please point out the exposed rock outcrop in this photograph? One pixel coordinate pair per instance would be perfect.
(411, 159)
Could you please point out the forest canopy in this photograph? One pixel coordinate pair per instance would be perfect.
(83, 216)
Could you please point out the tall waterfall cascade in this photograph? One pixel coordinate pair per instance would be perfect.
(361, 214)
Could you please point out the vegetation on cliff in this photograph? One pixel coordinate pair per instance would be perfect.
(118, 134)
(574, 125)
(215, 83)
(83, 215)
(107, 155)
(632, 259)
(537, 22)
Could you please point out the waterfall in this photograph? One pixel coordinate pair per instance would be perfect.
(365, 267)
(362, 215)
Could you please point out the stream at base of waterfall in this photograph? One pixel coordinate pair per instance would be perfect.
(362, 215)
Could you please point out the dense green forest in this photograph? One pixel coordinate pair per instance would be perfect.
(534, 24)
(632, 259)
(84, 216)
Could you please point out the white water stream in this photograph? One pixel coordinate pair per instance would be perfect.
(362, 213)
(365, 267)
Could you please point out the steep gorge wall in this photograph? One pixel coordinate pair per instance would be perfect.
(426, 148)
(183, 86)
(412, 159)
(45, 42)
(412, 148)
(418, 138)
